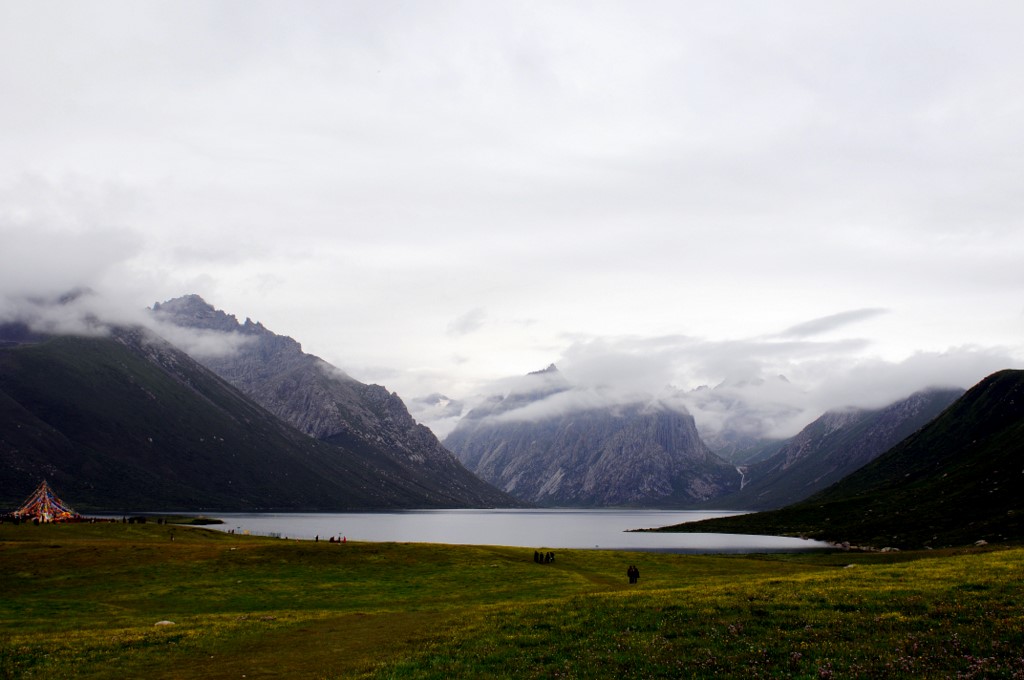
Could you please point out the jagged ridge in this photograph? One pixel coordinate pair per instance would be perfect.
(325, 403)
(633, 455)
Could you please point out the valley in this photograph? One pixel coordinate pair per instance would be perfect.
(124, 420)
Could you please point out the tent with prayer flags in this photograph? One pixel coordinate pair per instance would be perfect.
(45, 506)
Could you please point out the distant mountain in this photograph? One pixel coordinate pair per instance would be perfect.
(832, 447)
(741, 449)
(324, 402)
(539, 445)
(126, 421)
(957, 480)
(738, 419)
(439, 406)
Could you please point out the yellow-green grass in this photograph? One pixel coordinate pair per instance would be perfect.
(82, 601)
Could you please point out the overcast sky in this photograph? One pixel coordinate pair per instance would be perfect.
(434, 195)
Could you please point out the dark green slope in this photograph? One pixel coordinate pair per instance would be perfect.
(127, 422)
(958, 480)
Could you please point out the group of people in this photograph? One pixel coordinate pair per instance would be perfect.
(633, 573)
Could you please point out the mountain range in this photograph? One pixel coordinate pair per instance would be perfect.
(119, 418)
(325, 403)
(957, 480)
(548, 442)
(124, 420)
(833, 446)
(639, 454)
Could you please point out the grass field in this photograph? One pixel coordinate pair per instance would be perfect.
(82, 601)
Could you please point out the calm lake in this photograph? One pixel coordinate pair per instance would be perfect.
(546, 528)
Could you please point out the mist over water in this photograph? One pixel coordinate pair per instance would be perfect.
(546, 528)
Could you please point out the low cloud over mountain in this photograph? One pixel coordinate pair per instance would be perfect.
(763, 387)
(727, 385)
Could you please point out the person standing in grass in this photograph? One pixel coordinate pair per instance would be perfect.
(633, 573)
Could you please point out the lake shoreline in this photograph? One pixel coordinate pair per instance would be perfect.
(535, 528)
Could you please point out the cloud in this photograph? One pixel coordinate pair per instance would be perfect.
(74, 313)
(758, 409)
(872, 382)
(573, 400)
(85, 312)
(831, 322)
(761, 386)
(672, 186)
(201, 343)
(60, 237)
(469, 322)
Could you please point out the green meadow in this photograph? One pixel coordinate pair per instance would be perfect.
(84, 601)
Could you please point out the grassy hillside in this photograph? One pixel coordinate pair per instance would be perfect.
(958, 480)
(83, 600)
(127, 422)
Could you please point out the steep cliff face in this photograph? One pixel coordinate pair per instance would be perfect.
(832, 447)
(635, 455)
(319, 399)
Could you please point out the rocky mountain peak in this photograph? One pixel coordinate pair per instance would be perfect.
(550, 369)
(596, 457)
(194, 312)
(549, 441)
(322, 401)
